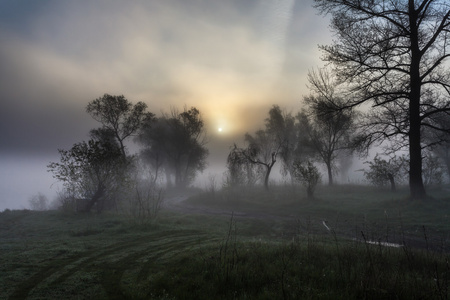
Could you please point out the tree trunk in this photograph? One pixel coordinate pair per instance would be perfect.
(98, 194)
(392, 181)
(169, 184)
(269, 168)
(310, 192)
(266, 177)
(416, 186)
(330, 174)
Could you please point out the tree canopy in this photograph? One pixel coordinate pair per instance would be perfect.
(392, 55)
(266, 144)
(90, 170)
(327, 129)
(118, 115)
(176, 143)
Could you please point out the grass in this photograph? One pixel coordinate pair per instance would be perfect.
(273, 247)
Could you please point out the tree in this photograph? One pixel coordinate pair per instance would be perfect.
(38, 202)
(240, 172)
(283, 128)
(92, 170)
(392, 55)
(176, 143)
(308, 175)
(433, 172)
(381, 171)
(119, 116)
(328, 129)
(264, 147)
(440, 141)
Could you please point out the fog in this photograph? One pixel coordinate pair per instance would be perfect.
(231, 59)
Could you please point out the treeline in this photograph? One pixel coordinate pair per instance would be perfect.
(386, 85)
(101, 173)
(327, 133)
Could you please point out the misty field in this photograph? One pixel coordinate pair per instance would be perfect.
(349, 243)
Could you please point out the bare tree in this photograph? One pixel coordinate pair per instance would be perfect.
(265, 145)
(327, 127)
(392, 55)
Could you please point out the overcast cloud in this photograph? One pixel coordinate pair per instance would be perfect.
(231, 59)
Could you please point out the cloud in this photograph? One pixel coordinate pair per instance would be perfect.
(231, 59)
(167, 54)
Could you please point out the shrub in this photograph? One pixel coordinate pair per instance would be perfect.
(307, 174)
(38, 202)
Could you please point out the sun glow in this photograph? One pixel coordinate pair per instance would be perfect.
(220, 129)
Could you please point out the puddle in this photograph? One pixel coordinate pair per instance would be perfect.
(385, 244)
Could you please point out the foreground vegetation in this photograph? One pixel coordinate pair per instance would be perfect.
(235, 245)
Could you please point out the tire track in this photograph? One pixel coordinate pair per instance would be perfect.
(154, 248)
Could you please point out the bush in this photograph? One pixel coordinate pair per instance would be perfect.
(307, 174)
(38, 202)
(145, 202)
(384, 172)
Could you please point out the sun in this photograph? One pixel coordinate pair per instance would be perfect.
(220, 129)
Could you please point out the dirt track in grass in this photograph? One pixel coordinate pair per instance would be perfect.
(375, 232)
(109, 264)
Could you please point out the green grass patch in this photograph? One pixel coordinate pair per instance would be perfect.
(274, 246)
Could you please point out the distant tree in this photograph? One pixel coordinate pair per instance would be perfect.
(382, 172)
(307, 174)
(119, 116)
(433, 171)
(440, 140)
(265, 145)
(240, 171)
(344, 162)
(176, 143)
(282, 127)
(327, 128)
(392, 55)
(38, 202)
(93, 170)
(443, 152)
(153, 137)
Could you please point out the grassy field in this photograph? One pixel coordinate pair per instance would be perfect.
(247, 244)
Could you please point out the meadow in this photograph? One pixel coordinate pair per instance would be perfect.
(351, 242)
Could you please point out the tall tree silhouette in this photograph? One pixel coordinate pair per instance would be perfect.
(392, 56)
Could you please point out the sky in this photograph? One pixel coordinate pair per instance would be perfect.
(231, 59)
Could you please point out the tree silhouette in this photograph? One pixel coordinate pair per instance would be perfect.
(265, 145)
(308, 175)
(91, 170)
(392, 55)
(119, 116)
(282, 127)
(328, 129)
(176, 143)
